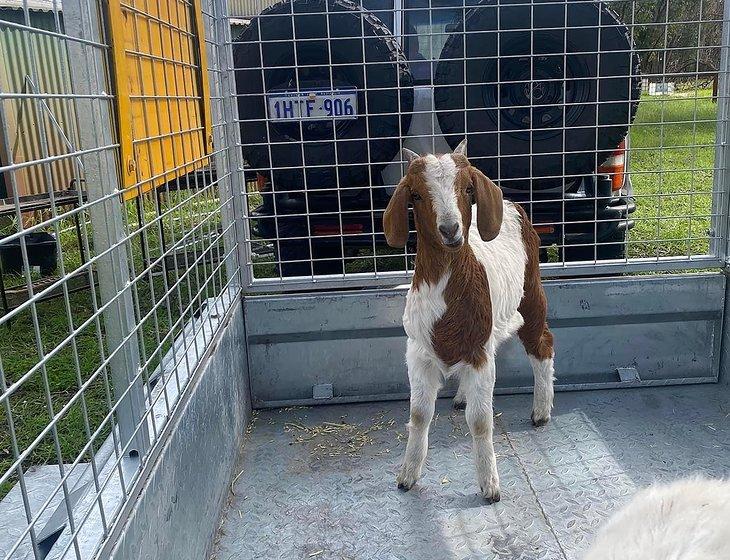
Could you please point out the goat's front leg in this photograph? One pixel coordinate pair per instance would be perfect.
(425, 380)
(479, 386)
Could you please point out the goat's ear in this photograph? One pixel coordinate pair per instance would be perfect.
(395, 218)
(460, 150)
(489, 205)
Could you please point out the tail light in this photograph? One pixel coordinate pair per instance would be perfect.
(543, 229)
(615, 166)
(261, 182)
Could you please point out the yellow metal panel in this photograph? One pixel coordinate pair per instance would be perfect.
(163, 98)
(115, 19)
(203, 76)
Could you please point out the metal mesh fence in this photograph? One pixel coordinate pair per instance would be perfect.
(606, 120)
(112, 290)
(603, 119)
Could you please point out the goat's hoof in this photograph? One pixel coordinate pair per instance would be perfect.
(489, 486)
(539, 418)
(491, 496)
(459, 405)
(406, 479)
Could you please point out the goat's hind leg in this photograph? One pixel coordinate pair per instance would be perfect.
(540, 352)
(460, 397)
(538, 342)
(425, 380)
(543, 372)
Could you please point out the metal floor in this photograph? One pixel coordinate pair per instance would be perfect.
(320, 482)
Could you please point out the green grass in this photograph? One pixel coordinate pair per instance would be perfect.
(30, 407)
(674, 205)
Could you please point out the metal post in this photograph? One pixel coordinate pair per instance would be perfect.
(719, 243)
(96, 124)
(228, 141)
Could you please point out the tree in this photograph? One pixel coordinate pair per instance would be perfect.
(676, 39)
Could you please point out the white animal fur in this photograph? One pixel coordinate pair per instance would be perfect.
(685, 520)
(439, 172)
(504, 259)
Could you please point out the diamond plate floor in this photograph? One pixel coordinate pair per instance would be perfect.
(320, 482)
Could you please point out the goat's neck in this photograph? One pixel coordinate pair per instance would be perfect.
(433, 261)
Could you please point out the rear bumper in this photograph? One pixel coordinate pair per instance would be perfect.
(590, 214)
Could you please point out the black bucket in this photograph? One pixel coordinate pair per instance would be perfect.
(42, 252)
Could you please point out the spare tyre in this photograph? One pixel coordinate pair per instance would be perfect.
(321, 45)
(550, 89)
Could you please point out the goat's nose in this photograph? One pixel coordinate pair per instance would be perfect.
(449, 230)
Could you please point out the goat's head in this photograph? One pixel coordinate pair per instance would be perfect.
(442, 190)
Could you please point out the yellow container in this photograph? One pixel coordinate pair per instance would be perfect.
(162, 95)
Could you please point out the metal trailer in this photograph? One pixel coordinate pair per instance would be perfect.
(176, 395)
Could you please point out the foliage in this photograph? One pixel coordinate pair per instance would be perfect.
(674, 38)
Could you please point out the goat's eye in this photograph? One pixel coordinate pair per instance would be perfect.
(415, 196)
(470, 190)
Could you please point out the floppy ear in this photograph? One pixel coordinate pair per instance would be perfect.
(489, 205)
(395, 218)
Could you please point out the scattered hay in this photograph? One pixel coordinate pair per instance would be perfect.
(457, 425)
(337, 439)
(252, 422)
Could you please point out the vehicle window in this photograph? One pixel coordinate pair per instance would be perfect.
(383, 9)
(426, 27)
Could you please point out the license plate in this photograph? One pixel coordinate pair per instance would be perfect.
(313, 105)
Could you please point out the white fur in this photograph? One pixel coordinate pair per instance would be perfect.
(424, 307)
(479, 386)
(504, 260)
(439, 176)
(425, 380)
(685, 520)
(543, 372)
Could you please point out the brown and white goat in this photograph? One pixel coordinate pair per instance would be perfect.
(473, 287)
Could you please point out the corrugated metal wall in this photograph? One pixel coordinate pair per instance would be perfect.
(25, 116)
(248, 8)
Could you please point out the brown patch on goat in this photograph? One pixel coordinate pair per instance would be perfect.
(464, 329)
(534, 333)
(460, 160)
(423, 212)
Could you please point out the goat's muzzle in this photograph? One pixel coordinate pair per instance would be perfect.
(451, 235)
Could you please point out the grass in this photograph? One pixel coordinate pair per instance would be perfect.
(673, 185)
(47, 391)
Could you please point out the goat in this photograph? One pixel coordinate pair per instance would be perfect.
(474, 285)
(685, 520)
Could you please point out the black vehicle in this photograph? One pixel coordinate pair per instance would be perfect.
(327, 96)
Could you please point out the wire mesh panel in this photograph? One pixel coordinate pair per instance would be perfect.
(109, 299)
(604, 119)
